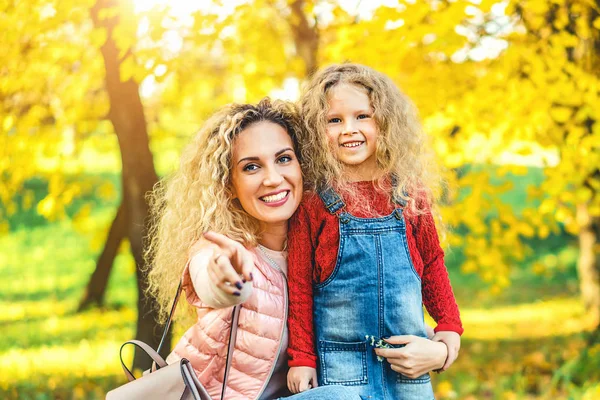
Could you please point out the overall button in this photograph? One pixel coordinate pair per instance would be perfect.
(398, 214)
(344, 219)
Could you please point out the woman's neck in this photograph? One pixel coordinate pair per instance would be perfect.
(274, 236)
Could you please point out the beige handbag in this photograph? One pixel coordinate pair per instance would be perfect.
(176, 381)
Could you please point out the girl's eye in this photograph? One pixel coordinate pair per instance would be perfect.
(250, 167)
(364, 116)
(334, 120)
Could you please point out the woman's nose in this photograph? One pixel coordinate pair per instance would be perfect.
(273, 177)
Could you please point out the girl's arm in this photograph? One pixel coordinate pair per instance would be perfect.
(438, 297)
(300, 276)
(211, 277)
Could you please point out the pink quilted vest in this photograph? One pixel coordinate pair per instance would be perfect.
(261, 324)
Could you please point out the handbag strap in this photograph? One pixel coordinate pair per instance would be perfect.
(171, 314)
(149, 350)
(159, 362)
(232, 336)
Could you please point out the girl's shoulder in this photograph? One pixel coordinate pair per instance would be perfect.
(311, 209)
(311, 201)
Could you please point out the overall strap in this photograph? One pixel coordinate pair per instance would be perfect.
(331, 199)
(397, 200)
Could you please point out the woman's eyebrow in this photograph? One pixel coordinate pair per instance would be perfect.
(257, 158)
(283, 151)
(248, 159)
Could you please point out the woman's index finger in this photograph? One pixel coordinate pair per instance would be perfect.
(222, 241)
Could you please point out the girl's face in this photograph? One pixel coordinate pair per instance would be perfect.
(265, 174)
(352, 130)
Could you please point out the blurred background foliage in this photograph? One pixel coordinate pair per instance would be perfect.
(97, 97)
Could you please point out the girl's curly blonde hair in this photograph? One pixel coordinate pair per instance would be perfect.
(401, 144)
(198, 197)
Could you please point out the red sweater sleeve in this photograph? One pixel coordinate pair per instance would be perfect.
(438, 297)
(301, 348)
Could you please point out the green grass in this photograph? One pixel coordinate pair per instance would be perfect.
(513, 347)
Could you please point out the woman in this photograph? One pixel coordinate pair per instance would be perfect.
(241, 177)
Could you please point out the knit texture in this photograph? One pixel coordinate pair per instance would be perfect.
(313, 242)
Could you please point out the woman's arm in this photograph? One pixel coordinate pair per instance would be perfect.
(213, 272)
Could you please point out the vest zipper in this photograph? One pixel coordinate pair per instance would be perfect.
(285, 296)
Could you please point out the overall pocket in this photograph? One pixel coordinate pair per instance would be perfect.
(343, 363)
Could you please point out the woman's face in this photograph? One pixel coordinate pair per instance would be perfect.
(265, 174)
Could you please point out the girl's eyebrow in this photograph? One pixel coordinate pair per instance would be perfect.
(256, 158)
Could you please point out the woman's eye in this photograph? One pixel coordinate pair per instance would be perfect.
(334, 120)
(284, 159)
(250, 167)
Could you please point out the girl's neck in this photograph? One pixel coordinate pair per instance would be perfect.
(274, 236)
(357, 173)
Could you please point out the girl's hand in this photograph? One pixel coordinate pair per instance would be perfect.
(429, 331)
(418, 357)
(300, 379)
(231, 264)
(452, 341)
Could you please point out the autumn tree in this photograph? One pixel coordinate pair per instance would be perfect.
(551, 68)
(81, 64)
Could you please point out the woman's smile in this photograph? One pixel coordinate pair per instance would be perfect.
(276, 199)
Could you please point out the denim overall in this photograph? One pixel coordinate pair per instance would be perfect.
(374, 290)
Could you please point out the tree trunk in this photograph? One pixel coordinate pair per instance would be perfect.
(588, 264)
(96, 287)
(306, 37)
(138, 173)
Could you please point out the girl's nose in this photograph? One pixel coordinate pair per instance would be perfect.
(349, 128)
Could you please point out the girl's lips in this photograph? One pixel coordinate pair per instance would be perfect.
(276, 200)
(352, 145)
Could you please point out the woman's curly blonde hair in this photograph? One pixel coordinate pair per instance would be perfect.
(402, 151)
(197, 197)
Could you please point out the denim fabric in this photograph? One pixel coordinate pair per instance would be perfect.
(325, 393)
(374, 290)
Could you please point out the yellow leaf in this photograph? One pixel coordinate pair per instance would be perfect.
(539, 268)
(561, 114)
(47, 207)
(445, 390)
(8, 123)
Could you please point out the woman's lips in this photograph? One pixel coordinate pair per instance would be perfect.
(275, 200)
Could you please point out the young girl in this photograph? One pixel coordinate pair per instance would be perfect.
(364, 253)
